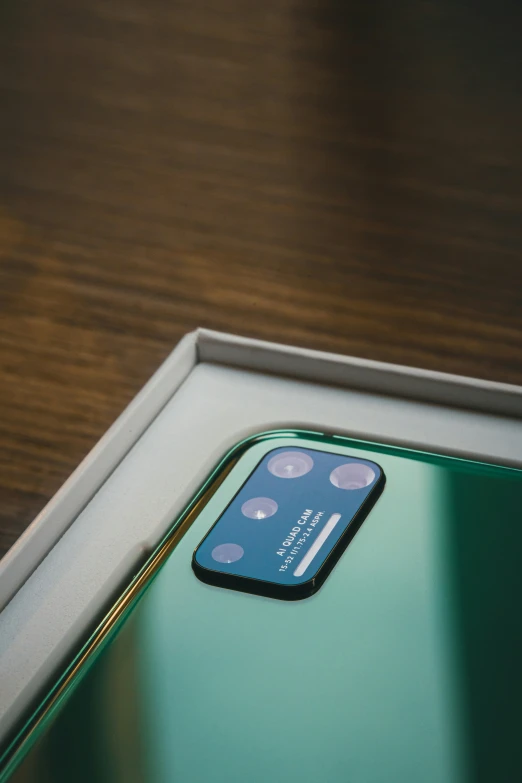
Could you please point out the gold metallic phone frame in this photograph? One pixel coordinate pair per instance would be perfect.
(25, 735)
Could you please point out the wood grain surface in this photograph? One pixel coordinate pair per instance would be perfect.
(339, 175)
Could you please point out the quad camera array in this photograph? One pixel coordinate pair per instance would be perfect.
(292, 465)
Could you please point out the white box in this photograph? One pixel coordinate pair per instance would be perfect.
(211, 392)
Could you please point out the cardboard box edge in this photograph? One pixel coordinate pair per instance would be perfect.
(206, 345)
(62, 509)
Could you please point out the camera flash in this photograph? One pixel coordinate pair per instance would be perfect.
(316, 546)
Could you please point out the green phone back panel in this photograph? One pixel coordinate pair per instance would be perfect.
(404, 667)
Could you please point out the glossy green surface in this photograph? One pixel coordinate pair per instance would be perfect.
(404, 667)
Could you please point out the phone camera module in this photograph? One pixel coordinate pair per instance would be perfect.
(259, 508)
(227, 553)
(352, 475)
(290, 464)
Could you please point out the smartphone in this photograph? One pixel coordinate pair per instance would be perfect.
(325, 610)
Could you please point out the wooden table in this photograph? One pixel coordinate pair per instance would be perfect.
(340, 175)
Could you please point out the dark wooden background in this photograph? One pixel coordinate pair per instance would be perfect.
(340, 175)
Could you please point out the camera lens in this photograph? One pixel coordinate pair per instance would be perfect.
(259, 508)
(290, 464)
(227, 553)
(352, 475)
